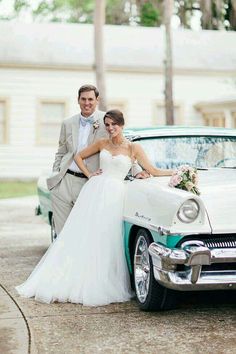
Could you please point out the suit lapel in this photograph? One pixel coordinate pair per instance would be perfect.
(93, 131)
(75, 132)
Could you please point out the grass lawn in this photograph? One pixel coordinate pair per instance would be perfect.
(17, 189)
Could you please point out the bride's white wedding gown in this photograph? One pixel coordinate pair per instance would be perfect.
(86, 263)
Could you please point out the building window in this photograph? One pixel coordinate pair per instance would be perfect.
(218, 113)
(159, 117)
(233, 119)
(3, 121)
(214, 119)
(120, 105)
(51, 115)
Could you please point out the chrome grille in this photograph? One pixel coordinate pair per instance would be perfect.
(228, 242)
(216, 241)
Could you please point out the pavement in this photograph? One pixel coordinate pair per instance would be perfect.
(204, 323)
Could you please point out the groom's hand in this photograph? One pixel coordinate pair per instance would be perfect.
(142, 175)
(96, 173)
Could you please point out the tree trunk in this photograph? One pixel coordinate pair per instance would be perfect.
(232, 16)
(182, 14)
(206, 9)
(99, 21)
(168, 64)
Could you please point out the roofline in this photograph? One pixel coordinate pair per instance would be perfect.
(217, 102)
(117, 68)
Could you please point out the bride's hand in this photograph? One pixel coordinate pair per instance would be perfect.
(142, 175)
(96, 173)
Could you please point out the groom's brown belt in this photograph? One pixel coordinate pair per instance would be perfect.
(76, 174)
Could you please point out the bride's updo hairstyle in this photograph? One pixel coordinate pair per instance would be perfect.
(116, 116)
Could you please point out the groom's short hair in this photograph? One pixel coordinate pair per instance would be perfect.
(86, 88)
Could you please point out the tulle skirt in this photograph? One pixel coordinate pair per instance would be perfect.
(86, 263)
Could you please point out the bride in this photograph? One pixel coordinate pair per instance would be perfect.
(86, 263)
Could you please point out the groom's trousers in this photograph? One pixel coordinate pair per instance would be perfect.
(63, 197)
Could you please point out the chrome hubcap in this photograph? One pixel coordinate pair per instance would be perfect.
(141, 269)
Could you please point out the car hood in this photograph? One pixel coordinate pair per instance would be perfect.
(218, 193)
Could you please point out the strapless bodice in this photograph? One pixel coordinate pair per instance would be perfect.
(114, 165)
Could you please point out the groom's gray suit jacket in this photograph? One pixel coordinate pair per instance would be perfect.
(68, 143)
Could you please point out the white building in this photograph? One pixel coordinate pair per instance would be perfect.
(43, 65)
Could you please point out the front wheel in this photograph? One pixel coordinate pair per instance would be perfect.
(151, 296)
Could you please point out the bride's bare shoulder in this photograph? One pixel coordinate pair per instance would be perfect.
(136, 147)
(103, 142)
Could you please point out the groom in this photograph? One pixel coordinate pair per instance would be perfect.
(77, 132)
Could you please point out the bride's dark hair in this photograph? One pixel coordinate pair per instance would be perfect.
(116, 116)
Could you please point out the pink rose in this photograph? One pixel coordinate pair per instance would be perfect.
(184, 168)
(175, 180)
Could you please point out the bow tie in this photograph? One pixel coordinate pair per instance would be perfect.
(84, 121)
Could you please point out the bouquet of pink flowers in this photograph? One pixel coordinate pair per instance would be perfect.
(186, 178)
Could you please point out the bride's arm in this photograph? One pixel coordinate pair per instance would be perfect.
(143, 160)
(87, 152)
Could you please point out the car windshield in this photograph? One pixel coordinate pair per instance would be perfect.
(198, 151)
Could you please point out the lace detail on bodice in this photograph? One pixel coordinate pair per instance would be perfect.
(114, 165)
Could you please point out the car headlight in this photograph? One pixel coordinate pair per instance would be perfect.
(189, 211)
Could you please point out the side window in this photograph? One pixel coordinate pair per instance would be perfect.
(50, 117)
(3, 121)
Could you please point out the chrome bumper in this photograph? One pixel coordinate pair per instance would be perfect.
(192, 256)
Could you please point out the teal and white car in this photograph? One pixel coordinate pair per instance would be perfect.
(175, 240)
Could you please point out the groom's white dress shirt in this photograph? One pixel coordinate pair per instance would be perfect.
(84, 130)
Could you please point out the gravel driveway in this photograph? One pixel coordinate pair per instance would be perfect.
(204, 323)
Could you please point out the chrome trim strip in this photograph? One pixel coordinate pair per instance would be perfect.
(136, 222)
(172, 133)
(162, 230)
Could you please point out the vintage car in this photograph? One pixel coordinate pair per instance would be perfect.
(175, 240)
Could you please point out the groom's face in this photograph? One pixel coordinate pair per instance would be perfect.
(88, 103)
